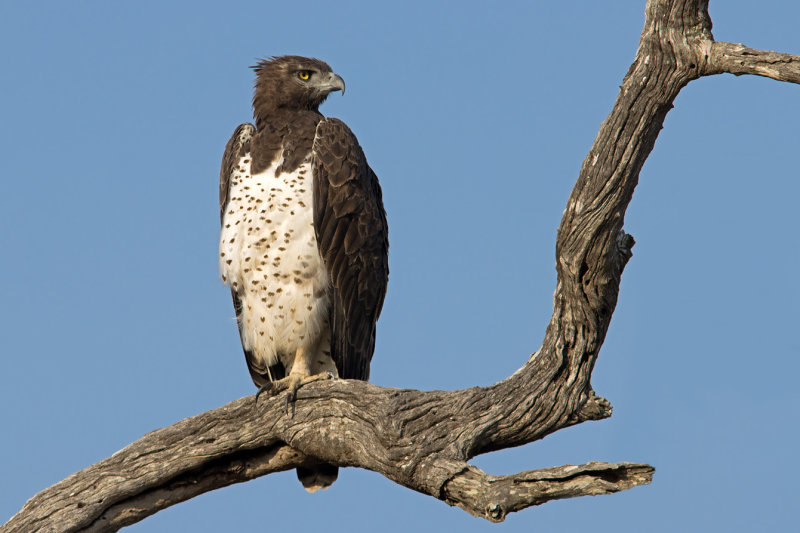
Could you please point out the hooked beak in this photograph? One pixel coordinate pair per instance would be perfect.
(333, 83)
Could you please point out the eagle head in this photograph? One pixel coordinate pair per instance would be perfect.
(293, 82)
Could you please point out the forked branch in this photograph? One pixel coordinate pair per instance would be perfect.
(423, 440)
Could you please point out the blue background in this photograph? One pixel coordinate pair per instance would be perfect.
(476, 117)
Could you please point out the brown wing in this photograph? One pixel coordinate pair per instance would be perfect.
(353, 240)
(237, 147)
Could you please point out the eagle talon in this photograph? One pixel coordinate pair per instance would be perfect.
(291, 384)
(265, 388)
(291, 398)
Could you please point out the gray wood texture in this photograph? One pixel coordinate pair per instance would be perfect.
(423, 439)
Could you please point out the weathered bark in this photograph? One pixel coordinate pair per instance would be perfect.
(423, 440)
(738, 59)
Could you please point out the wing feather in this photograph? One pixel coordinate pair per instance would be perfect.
(352, 235)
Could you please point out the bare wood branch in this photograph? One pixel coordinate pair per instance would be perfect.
(493, 497)
(423, 440)
(236, 443)
(229, 469)
(738, 59)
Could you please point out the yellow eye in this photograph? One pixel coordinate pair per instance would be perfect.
(304, 75)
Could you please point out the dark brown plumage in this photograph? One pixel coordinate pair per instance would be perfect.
(352, 235)
(261, 166)
(286, 109)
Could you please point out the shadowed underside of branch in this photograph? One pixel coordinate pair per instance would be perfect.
(420, 439)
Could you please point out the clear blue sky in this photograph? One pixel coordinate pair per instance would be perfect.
(476, 118)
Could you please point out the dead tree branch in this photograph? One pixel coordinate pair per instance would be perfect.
(423, 440)
(738, 59)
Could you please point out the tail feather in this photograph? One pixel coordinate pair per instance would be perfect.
(317, 477)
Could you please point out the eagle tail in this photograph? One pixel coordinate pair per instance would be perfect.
(317, 477)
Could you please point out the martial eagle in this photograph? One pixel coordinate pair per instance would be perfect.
(304, 241)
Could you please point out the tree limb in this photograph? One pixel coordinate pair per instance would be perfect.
(493, 497)
(738, 59)
(423, 440)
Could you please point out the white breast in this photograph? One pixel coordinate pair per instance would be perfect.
(268, 254)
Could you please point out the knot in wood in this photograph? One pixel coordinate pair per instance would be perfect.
(495, 512)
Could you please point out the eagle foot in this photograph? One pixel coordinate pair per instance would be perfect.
(291, 384)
